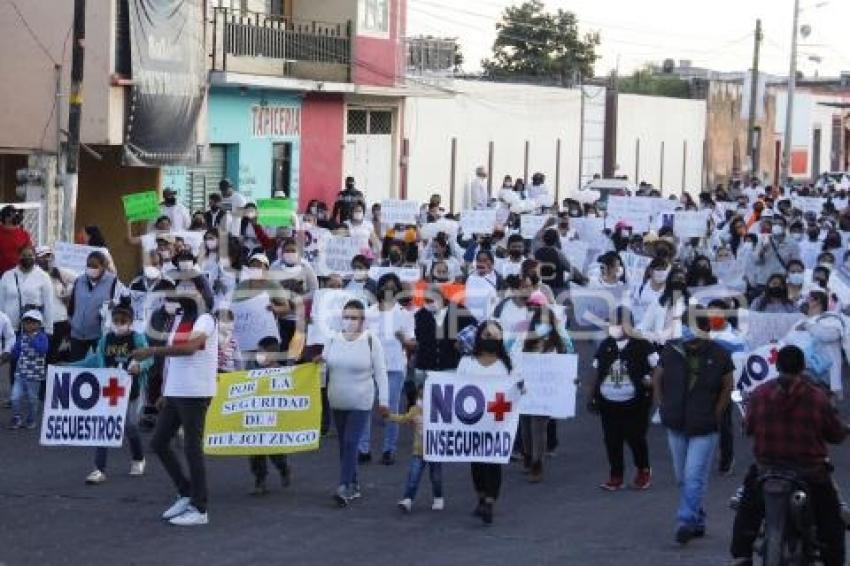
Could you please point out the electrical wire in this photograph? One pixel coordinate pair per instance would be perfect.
(31, 31)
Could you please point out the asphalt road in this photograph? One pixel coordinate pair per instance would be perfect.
(49, 516)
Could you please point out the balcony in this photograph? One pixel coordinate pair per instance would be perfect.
(262, 44)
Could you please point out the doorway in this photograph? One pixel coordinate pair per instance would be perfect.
(281, 168)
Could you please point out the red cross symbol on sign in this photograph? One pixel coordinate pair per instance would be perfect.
(113, 391)
(499, 407)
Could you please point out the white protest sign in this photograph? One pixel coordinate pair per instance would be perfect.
(531, 224)
(730, 273)
(704, 295)
(754, 368)
(73, 256)
(339, 251)
(839, 283)
(664, 206)
(314, 240)
(430, 230)
(591, 232)
(576, 252)
(405, 274)
(469, 418)
(85, 407)
(595, 307)
(253, 321)
(144, 304)
(635, 266)
(809, 204)
(550, 388)
(636, 211)
(762, 328)
(477, 221)
(691, 224)
(326, 313)
(395, 211)
(194, 240)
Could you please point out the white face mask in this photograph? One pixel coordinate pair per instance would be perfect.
(211, 245)
(290, 258)
(93, 273)
(659, 276)
(171, 308)
(251, 274)
(262, 358)
(186, 265)
(777, 231)
(797, 236)
(152, 273)
(250, 214)
(615, 332)
(619, 272)
(357, 216)
(350, 325)
(121, 329)
(225, 327)
(361, 274)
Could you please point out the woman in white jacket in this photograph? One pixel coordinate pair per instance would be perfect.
(827, 331)
(356, 367)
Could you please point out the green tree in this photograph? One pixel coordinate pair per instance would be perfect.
(531, 42)
(647, 81)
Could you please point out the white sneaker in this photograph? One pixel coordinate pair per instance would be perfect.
(405, 505)
(656, 417)
(137, 468)
(178, 508)
(439, 504)
(96, 477)
(190, 518)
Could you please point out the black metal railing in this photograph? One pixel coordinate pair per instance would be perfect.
(239, 33)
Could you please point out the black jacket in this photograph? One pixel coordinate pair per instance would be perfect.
(635, 358)
(436, 347)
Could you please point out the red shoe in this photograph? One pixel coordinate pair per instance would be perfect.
(643, 479)
(614, 483)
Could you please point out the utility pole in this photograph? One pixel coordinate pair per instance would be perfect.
(789, 110)
(75, 112)
(754, 89)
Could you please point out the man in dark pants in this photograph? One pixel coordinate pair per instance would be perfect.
(791, 421)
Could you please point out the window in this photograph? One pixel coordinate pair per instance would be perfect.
(281, 167)
(357, 122)
(381, 122)
(374, 17)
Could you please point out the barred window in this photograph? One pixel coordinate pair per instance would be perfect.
(357, 122)
(381, 122)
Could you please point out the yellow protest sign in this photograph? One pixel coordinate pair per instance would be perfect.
(265, 411)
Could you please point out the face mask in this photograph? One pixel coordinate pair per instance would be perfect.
(395, 257)
(121, 329)
(778, 231)
(717, 322)
(357, 216)
(93, 273)
(659, 276)
(186, 265)
(211, 244)
(151, 272)
(361, 274)
(775, 292)
(171, 308)
(795, 279)
(615, 332)
(290, 258)
(170, 201)
(350, 325)
(618, 273)
(543, 330)
(678, 286)
(225, 327)
(251, 214)
(797, 236)
(26, 263)
(314, 210)
(433, 308)
(491, 345)
(515, 254)
(262, 358)
(251, 273)
(165, 255)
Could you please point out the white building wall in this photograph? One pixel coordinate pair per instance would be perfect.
(649, 121)
(481, 112)
(810, 114)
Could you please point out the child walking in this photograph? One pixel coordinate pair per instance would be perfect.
(30, 354)
(417, 462)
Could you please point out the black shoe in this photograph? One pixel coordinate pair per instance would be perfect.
(388, 459)
(260, 487)
(364, 457)
(698, 532)
(479, 509)
(684, 534)
(286, 476)
(727, 468)
(487, 513)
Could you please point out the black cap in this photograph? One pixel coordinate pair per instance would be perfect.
(225, 184)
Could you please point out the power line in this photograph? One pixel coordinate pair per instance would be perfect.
(31, 31)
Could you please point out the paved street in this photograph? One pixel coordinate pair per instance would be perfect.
(50, 517)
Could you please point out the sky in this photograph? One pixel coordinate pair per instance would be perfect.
(716, 33)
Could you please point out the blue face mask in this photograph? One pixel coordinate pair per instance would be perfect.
(543, 330)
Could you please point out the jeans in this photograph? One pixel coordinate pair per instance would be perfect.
(414, 475)
(727, 439)
(625, 422)
(487, 479)
(188, 412)
(349, 428)
(395, 381)
(26, 388)
(692, 457)
(131, 431)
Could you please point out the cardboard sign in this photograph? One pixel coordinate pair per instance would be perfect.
(477, 221)
(253, 321)
(265, 411)
(761, 328)
(691, 224)
(635, 211)
(141, 206)
(73, 257)
(591, 232)
(339, 251)
(85, 407)
(550, 388)
(395, 211)
(275, 212)
(469, 418)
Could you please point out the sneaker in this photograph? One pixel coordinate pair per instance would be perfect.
(487, 513)
(16, 423)
(191, 517)
(31, 424)
(354, 492)
(178, 508)
(341, 496)
(439, 504)
(656, 417)
(96, 477)
(614, 483)
(388, 459)
(735, 500)
(479, 509)
(364, 457)
(536, 473)
(643, 479)
(137, 468)
(684, 534)
(260, 487)
(405, 505)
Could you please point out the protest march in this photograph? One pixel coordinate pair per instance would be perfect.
(263, 332)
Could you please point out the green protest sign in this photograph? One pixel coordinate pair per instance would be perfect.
(141, 206)
(275, 211)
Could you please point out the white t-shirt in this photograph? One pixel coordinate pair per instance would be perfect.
(195, 375)
(362, 231)
(233, 202)
(385, 325)
(470, 366)
(508, 267)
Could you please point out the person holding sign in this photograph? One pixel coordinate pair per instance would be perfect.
(622, 396)
(356, 371)
(191, 358)
(115, 350)
(489, 359)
